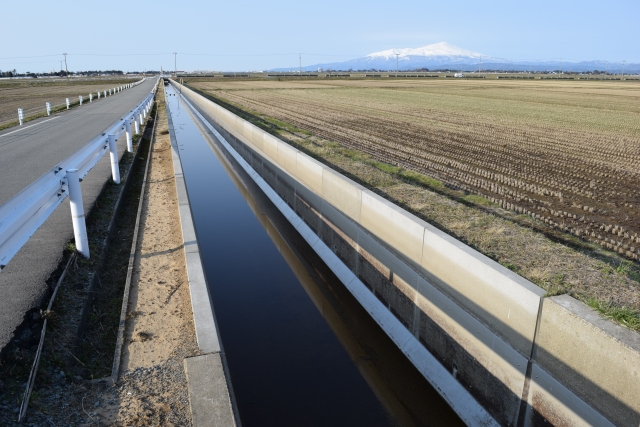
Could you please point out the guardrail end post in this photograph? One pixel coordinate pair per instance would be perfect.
(20, 115)
(48, 106)
(113, 153)
(68, 104)
(77, 213)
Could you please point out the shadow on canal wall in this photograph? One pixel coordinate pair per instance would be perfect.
(395, 382)
(488, 340)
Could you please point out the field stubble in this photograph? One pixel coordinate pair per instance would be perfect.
(560, 157)
(562, 154)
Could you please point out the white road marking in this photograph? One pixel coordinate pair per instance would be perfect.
(27, 127)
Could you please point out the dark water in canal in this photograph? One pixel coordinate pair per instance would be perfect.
(301, 350)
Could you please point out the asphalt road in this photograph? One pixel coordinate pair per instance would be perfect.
(26, 153)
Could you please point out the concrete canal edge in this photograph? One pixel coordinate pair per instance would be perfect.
(210, 393)
(523, 358)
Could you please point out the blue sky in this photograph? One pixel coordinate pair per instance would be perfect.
(255, 35)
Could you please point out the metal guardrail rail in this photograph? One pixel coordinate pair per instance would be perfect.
(22, 215)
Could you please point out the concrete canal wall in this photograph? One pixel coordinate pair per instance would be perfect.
(487, 339)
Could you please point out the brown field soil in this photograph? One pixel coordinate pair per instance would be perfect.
(31, 96)
(565, 153)
(486, 175)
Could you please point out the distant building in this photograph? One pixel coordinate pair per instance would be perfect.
(458, 75)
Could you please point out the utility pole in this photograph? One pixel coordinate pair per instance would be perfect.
(65, 65)
(480, 66)
(300, 62)
(623, 69)
(175, 62)
(560, 68)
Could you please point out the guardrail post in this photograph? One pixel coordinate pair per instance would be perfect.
(113, 152)
(140, 118)
(127, 131)
(20, 116)
(98, 94)
(135, 121)
(90, 97)
(80, 98)
(77, 213)
(105, 93)
(68, 103)
(48, 106)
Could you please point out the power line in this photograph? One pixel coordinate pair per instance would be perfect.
(24, 57)
(120, 54)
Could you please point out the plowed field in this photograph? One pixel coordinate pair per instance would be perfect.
(566, 153)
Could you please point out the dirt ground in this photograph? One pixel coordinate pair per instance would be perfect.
(160, 331)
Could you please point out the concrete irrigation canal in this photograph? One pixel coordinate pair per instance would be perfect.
(300, 350)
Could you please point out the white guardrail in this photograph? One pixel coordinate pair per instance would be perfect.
(21, 216)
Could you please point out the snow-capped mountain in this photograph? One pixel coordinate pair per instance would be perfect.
(434, 55)
(441, 56)
(436, 52)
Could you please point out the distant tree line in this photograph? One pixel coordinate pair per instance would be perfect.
(62, 73)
